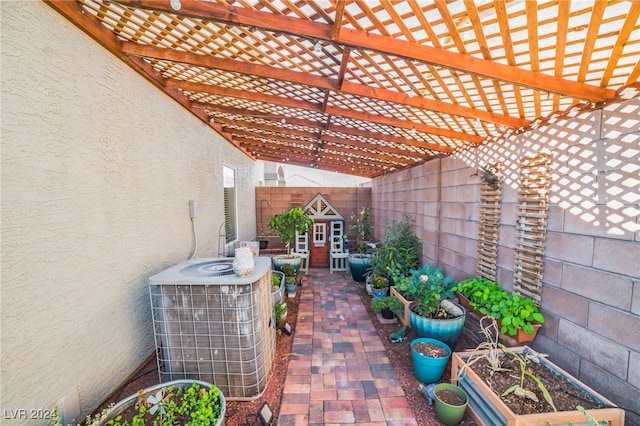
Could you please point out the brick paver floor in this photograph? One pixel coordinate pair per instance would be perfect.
(339, 372)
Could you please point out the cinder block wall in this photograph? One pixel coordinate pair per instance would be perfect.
(591, 285)
(273, 200)
(98, 168)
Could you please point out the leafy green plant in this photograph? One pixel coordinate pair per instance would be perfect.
(174, 405)
(429, 287)
(288, 270)
(512, 310)
(390, 302)
(291, 281)
(378, 281)
(519, 389)
(399, 250)
(288, 223)
(363, 230)
(280, 311)
(275, 281)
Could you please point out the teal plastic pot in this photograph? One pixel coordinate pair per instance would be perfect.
(379, 292)
(449, 414)
(359, 265)
(429, 369)
(444, 330)
(291, 259)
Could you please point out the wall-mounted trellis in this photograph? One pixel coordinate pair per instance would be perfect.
(531, 228)
(488, 229)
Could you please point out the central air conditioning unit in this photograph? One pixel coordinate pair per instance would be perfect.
(211, 325)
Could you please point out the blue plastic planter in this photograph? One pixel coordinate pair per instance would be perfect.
(428, 369)
(359, 265)
(444, 330)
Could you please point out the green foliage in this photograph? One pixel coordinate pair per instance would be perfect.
(363, 230)
(275, 280)
(512, 310)
(288, 223)
(291, 281)
(280, 310)
(175, 405)
(429, 286)
(378, 281)
(390, 302)
(519, 389)
(399, 250)
(288, 270)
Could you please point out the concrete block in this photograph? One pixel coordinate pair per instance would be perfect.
(620, 119)
(620, 326)
(506, 257)
(505, 278)
(613, 388)
(550, 326)
(508, 214)
(591, 219)
(552, 273)
(635, 299)
(563, 357)
(606, 288)
(507, 236)
(565, 305)
(634, 369)
(621, 257)
(605, 353)
(467, 228)
(555, 219)
(569, 247)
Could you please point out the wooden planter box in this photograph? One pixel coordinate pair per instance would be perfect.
(487, 408)
(404, 316)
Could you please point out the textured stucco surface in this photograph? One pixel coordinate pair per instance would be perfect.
(98, 168)
(591, 283)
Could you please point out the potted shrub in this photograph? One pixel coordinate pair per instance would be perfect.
(380, 286)
(386, 306)
(517, 316)
(291, 285)
(399, 250)
(360, 263)
(430, 357)
(177, 402)
(285, 225)
(432, 314)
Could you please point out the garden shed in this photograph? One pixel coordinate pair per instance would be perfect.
(509, 131)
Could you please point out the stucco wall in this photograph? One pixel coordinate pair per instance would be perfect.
(591, 286)
(98, 167)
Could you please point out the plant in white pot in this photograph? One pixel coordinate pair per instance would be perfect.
(286, 225)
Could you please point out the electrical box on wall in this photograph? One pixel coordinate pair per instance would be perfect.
(193, 208)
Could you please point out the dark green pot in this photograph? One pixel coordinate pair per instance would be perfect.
(359, 265)
(449, 414)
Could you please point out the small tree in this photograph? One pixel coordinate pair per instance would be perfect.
(363, 230)
(288, 223)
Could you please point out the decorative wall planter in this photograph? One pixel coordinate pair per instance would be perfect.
(445, 330)
(487, 408)
(429, 369)
(359, 265)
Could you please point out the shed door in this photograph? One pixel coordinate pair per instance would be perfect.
(319, 257)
